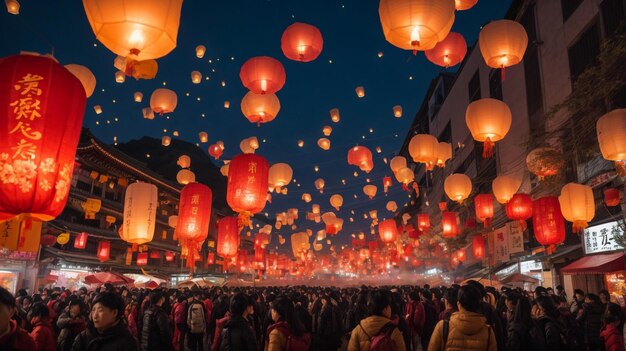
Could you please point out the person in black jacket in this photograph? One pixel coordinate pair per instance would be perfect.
(106, 331)
(590, 319)
(70, 323)
(155, 334)
(519, 326)
(237, 334)
(547, 335)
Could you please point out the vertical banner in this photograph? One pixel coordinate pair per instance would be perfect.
(9, 234)
(501, 244)
(516, 237)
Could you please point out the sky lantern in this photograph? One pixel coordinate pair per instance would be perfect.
(97, 109)
(203, 136)
(397, 111)
(196, 77)
(416, 24)
(387, 182)
(577, 205)
(397, 163)
(43, 102)
(423, 222)
(462, 5)
(13, 6)
(458, 187)
(327, 130)
(138, 29)
(444, 153)
(194, 212)
(388, 231)
(544, 162)
(611, 131)
(360, 91)
(200, 51)
(449, 224)
(405, 176)
(323, 143)
(299, 244)
(334, 115)
(306, 197)
(163, 101)
(424, 149)
(185, 176)
(489, 120)
(138, 96)
(120, 77)
(520, 208)
(319, 185)
(548, 222)
(262, 74)
(87, 79)
(184, 161)
(336, 201)
(140, 207)
(448, 52)
(502, 43)
(361, 157)
(227, 237)
(280, 175)
(505, 186)
(483, 205)
(224, 169)
(247, 185)
(260, 108)
(147, 113)
(80, 242)
(370, 190)
(612, 197)
(104, 250)
(391, 206)
(478, 246)
(301, 42)
(249, 145)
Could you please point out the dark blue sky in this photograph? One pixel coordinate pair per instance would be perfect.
(240, 29)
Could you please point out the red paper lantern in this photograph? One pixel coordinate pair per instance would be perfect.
(259, 253)
(387, 182)
(169, 256)
(388, 231)
(548, 222)
(216, 151)
(155, 255)
(242, 260)
(483, 204)
(478, 247)
(43, 106)
(448, 52)
(373, 246)
(47, 240)
(262, 74)
(80, 242)
(194, 212)
(301, 42)
(361, 157)
(142, 259)
(520, 208)
(210, 259)
(104, 250)
(612, 197)
(331, 229)
(460, 255)
(227, 237)
(423, 222)
(449, 224)
(247, 185)
(412, 232)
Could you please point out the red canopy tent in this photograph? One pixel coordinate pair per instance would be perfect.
(107, 277)
(597, 264)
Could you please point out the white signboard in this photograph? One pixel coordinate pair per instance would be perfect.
(529, 266)
(516, 237)
(501, 243)
(599, 238)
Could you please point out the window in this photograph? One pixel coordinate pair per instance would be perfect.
(446, 135)
(568, 7)
(473, 87)
(436, 99)
(612, 15)
(584, 51)
(495, 83)
(532, 76)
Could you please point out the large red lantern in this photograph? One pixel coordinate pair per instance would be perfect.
(548, 222)
(104, 250)
(194, 212)
(423, 222)
(43, 106)
(520, 208)
(483, 204)
(448, 52)
(478, 247)
(388, 231)
(259, 253)
(361, 157)
(80, 242)
(449, 224)
(301, 42)
(612, 197)
(247, 185)
(460, 255)
(227, 237)
(262, 74)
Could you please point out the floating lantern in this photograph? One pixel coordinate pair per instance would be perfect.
(612, 197)
(544, 162)
(449, 224)
(163, 101)
(489, 120)
(226, 104)
(405, 176)
(138, 96)
(334, 115)
(13, 6)
(319, 185)
(85, 76)
(80, 242)
(194, 212)
(458, 187)
(397, 163)
(301, 42)
(147, 113)
(260, 108)
(299, 244)
(611, 131)
(306, 197)
(227, 237)
(462, 5)
(478, 247)
(247, 185)
(397, 111)
(577, 205)
(504, 187)
(336, 201)
(97, 109)
(370, 190)
(323, 143)
(262, 74)
(120, 77)
(444, 153)
(184, 161)
(140, 206)
(185, 176)
(361, 157)
(448, 52)
(391, 206)
(548, 222)
(502, 43)
(196, 77)
(280, 175)
(423, 222)
(216, 151)
(327, 130)
(203, 136)
(104, 250)
(424, 149)
(387, 182)
(200, 51)
(388, 231)
(360, 91)
(483, 205)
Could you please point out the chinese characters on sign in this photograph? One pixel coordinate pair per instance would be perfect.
(599, 238)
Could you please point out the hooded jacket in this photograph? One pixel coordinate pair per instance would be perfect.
(44, 336)
(370, 327)
(237, 335)
(467, 331)
(156, 335)
(613, 338)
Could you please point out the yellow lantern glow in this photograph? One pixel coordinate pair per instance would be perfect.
(444, 153)
(370, 190)
(327, 130)
(299, 244)
(323, 143)
(319, 185)
(424, 149)
(120, 77)
(336, 201)
(163, 101)
(13, 6)
(260, 108)
(334, 115)
(360, 91)
(97, 109)
(611, 131)
(502, 43)
(85, 76)
(577, 205)
(300, 143)
(196, 77)
(405, 175)
(138, 96)
(203, 136)
(226, 104)
(505, 186)
(397, 111)
(397, 163)
(140, 206)
(166, 140)
(147, 113)
(184, 161)
(392, 206)
(185, 176)
(306, 197)
(200, 51)
(489, 120)
(457, 186)
(280, 175)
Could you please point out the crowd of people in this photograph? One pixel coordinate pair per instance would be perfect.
(468, 317)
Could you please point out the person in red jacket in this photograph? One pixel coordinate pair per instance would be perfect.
(42, 333)
(12, 336)
(611, 335)
(415, 317)
(179, 316)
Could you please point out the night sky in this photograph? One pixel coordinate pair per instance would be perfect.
(234, 31)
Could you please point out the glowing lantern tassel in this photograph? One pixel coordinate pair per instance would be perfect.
(415, 39)
(488, 148)
(243, 220)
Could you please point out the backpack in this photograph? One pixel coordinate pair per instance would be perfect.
(382, 341)
(195, 317)
(294, 342)
(446, 331)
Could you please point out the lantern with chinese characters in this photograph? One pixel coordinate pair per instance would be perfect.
(140, 207)
(416, 24)
(423, 222)
(449, 224)
(138, 29)
(611, 132)
(502, 43)
(43, 102)
(462, 5)
(444, 153)
(478, 246)
(489, 120)
(104, 250)
(387, 182)
(612, 197)
(504, 187)
(577, 205)
(520, 208)
(85, 76)
(301, 42)
(280, 175)
(544, 162)
(194, 212)
(260, 108)
(262, 74)
(424, 149)
(370, 190)
(448, 52)
(227, 237)
(163, 101)
(548, 222)
(388, 231)
(457, 186)
(169, 256)
(361, 157)
(247, 185)
(80, 242)
(334, 115)
(336, 201)
(483, 204)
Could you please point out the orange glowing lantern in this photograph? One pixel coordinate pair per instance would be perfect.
(194, 212)
(449, 224)
(424, 149)
(577, 205)
(504, 187)
(336, 201)
(460, 255)
(489, 120)
(444, 153)
(361, 157)
(520, 208)
(13, 6)
(200, 51)
(462, 5)
(43, 102)
(227, 237)
(259, 253)
(169, 256)
(163, 101)
(457, 186)
(334, 115)
(166, 140)
(611, 129)
(448, 52)
(483, 204)
(397, 111)
(387, 182)
(140, 207)
(216, 150)
(301, 42)
(80, 242)
(388, 231)
(478, 247)
(260, 108)
(323, 143)
(397, 163)
(104, 250)
(360, 91)
(370, 190)
(612, 197)
(548, 222)
(142, 259)
(210, 258)
(502, 43)
(247, 185)
(423, 222)
(262, 74)
(280, 175)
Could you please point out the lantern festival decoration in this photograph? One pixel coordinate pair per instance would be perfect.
(334, 115)
(449, 224)
(203, 136)
(262, 74)
(424, 148)
(483, 205)
(405, 176)
(42, 101)
(391, 206)
(260, 108)
(457, 186)
(280, 175)
(142, 259)
(388, 231)
(299, 244)
(200, 51)
(138, 96)
(87, 79)
(336, 201)
(520, 208)
(502, 43)
(169, 256)
(163, 101)
(462, 5)
(227, 237)
(577, 205)
(387, 182)
(196, 77)
(327, 130)
(361, 157)
(135, 29)
(478, 247)
(166, 140)
(140, 207)
(370, 190)
(323, 143)
(548, 222)
(216, 150)
(13, 6)
(612, 197)
(448, 52)
(103, 251)
(247, 185)
(319, 185)
(185, 176)
(416, 24)
(301, 42)
(210, 258)
(504, 187)
(461, 255)
(194, 213)
(397, 163)
(80, 241)
(397, 111)
(489, 120)
(544, 162)
(423, 222)
(611, 132)
(360, 91)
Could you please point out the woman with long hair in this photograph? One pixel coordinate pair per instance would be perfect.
(519, 327)
(286, 327)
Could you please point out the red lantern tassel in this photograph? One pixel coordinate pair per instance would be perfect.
(578, 226)
(243, 220)
(551, 249)
(488, 148)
